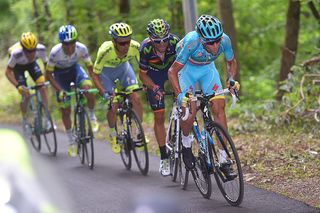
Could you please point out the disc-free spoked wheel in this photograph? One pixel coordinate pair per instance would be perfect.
(139, 145)
(231, 189)
(48, 132)
(122, 140)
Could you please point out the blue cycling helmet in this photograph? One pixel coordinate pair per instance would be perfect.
(67, 33)
(209, 28)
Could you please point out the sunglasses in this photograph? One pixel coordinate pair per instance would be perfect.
(69, 43)
(212, 42)
(160, 40)
(123, 43)
(30, 51)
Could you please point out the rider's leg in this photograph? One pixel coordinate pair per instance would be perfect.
(42, 90)
(217, 107)
(160, 132)
(137, 106)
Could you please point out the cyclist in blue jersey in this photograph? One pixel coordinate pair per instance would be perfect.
(196, 54)
(157, 53)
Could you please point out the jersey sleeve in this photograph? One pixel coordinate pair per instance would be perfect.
(51, 62)
(143, 62)
(12, 61)
(85, 55)
(185, 48)
(42, 53)
(98, 64)
(227, 48)
(135, 46)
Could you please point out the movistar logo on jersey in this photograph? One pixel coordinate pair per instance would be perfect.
(147, 50)
(173, 41)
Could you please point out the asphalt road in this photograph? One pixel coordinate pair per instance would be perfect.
(109, 187)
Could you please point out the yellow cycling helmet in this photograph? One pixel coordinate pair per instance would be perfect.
(28, 40)
(120, 30)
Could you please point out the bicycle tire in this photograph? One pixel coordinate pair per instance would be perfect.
(138, 142)
(34, 125)
(87, 140)
(201, 176)
(78, 117)
(227, 187)
(47, 134)
(123, 141)
(171, 148)
(183, 172)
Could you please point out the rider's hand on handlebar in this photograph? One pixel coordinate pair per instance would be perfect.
(62, 95)
(106, 96)
(234, 84)
(23, 89)
(158, 91)
(182, 99)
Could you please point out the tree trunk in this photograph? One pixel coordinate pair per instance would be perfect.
(37, 19)
(176, 17)
(226, 14)
(68, 7)
(92, 37)
(47, 14)
(124, 8)
(290, 44)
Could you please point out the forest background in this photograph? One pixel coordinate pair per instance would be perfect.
(277, 44)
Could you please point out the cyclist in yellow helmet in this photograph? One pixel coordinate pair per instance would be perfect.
(22, 57)
(112, 64)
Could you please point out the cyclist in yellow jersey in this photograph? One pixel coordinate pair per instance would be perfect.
(22, 57)
(112, 64)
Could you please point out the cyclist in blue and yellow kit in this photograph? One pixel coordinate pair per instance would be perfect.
(157, 53)
(62, 69)
(112, 64)
(196, 54)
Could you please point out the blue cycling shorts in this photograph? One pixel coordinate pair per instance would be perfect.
(206, 75)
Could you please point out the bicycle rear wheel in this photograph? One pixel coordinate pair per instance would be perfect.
(139, 145)
(183, 172)
(232, 189)
(171, 141)
(86, 139)
(33, 125)
(48, 132)
(122, 139)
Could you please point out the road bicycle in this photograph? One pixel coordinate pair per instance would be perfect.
(174, 145)
(207, 158)
(82, 129)
(130, 134)
(39, 122)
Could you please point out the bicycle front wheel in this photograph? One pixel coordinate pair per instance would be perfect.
(123, 141)
(139, 145)
(31, 128)
(48, 130)
(87, 139)
(171, 141)
(231, 186)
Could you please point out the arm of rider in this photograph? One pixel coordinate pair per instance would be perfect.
(53, 82)
(10, 75)
(146, 80)
(173, 78)
(90, 70)
(232, 70)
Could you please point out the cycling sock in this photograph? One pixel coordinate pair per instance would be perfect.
(91, 114)
(163, 152)
(187, 140)
(223, 156)
(70, 136)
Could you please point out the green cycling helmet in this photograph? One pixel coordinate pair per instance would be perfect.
(158, 28)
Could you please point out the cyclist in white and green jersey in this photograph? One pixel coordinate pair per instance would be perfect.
(112, 64)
